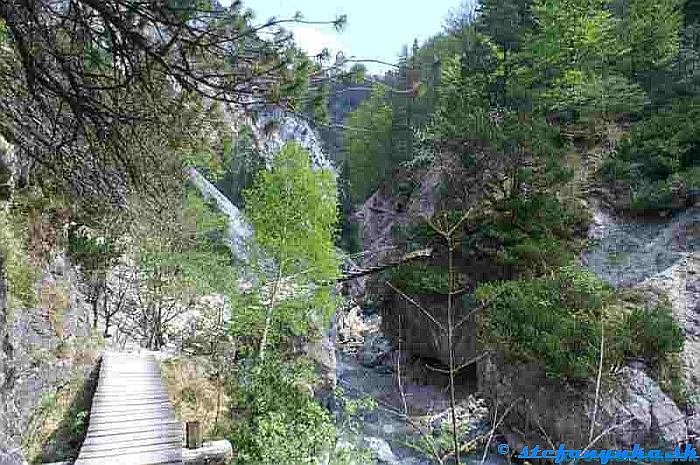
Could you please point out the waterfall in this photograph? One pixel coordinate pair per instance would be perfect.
(239, 232)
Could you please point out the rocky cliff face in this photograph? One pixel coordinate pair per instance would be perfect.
(273, 126)
(660, 259)
(41, 349)
(384, 212)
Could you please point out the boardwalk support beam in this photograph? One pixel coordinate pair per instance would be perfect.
(194, 438)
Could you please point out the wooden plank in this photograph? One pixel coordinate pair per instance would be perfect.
(133, 400)
(119, 391)
(132, 443)
(136, 457)
(117, 452)
(140, 400)
(164, 414)
(128, 407)
(125, 435)
(107, 429)
(131, 420)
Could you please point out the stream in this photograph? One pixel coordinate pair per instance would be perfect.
(384, 430)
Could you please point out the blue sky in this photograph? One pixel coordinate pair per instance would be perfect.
(376, 29)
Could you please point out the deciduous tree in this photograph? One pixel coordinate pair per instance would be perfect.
(294, 212)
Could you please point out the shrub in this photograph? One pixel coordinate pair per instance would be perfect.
(421, 279)
(615, 169)
(691, 177)
(285, 425)
(535, 321)
(556, 320)
(650, 196)
(650, 333)
(531, 235)
(89, 251)
(551, 319)
(662, 148)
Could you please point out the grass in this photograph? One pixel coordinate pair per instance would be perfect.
(195, 396)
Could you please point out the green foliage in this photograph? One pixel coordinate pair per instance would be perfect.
(286, 425)
(648, 32)
(650, 333)
(530, 235)
(181, 258)
(245, 164)
(78, 426)
(506, 21)
(4, 32)
(661, 150)
(246, 324)
(368, 146)
(592, 95)
(21, 275)
(349, 237)
(552, 320)
(298, 92)
(462, 107)
(48, 400)
(555, 320)
(90, 252)
(293, 210)
(652, 196)
(196, 256)
(572, 36)
(421, 279)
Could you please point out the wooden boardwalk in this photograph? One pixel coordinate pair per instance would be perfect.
(131, 420)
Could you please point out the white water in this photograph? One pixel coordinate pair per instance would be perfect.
(239, 233)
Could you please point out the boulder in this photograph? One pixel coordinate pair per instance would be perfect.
(422, 335)
(636, 410)
(375, 350)
(381, 450)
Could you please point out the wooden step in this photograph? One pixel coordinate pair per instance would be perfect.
(126, 442)
(122, 435)
(145, 455)
(110, 429)
(111, 417)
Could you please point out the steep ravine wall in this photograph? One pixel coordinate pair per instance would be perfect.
(661, 259)
(41, 348)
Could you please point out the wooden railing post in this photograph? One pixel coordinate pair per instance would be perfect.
(193, 436)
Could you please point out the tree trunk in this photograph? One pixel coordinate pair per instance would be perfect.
(270, 310)
(107, 318)
(94, 313)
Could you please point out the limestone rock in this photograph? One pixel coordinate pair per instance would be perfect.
(381, 449)
(30, 353)
(375, 350)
